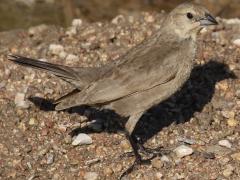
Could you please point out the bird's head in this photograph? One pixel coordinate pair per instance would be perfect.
(187, 19)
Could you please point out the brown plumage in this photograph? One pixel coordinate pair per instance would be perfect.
(146, 75)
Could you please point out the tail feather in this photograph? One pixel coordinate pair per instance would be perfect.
(63, 72)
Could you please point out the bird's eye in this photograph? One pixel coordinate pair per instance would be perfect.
(189, 15)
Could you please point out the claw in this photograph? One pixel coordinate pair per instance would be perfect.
(137, 162)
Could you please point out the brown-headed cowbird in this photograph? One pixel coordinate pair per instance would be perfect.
(146, 75)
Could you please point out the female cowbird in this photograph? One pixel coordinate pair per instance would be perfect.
(145, 76)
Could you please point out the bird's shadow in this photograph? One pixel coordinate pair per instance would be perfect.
(180, 107)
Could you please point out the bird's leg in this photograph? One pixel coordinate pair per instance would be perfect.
(138, 159)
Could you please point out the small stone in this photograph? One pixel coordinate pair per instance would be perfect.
(157, 163)
(32, 121)
(186, 140)
(108, 171)
(76, 22)
(37, 29)
(71, 58)
(224, 160)
(68, 139)
(125, 145)
(118, 19)
(63, 55)
(62, 128)
(20, 102)
(56, 49)
(228, 171)
(50, 158)
(149, 18)
(82, 139)
(183, 150)
(228, 114)
(232, 122)
(91, 176)
(71, 31)
(164, 158)
(159, 175)
(225, 143)
(236, 156)
(236, 42)
(118, 168)
(22, 126)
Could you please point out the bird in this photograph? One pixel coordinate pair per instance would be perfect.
(146, 75)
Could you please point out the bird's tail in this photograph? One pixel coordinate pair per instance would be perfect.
(64, 72)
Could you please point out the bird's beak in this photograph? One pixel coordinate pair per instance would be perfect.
(208, 20)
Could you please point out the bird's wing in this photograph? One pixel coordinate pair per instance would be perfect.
(147, 68)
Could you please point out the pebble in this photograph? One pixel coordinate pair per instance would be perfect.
(118, 168)
(225, 143)
(228, 114)
(50, 158)
(159, 175)
(183, 150)
(164, 158)
(125, 145)
(108, 171)
(76, 22)
(231, 21)
(68, 139)
(228, 171)
(232, 122)
(37, 29)
(91, 176)
(186, 140)
(71, 31)
(118, 19)
(56, 49)
(236, 42)
(20, 102)
(236, 156)
(63, 55)
(32, 121)
(157, 163)
(71, 58)
(82, 139)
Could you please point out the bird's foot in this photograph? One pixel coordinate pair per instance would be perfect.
(137, 162)
(159, 151)
(127, 154)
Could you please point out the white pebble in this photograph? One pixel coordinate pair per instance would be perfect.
(20, 102)
(62, 54)
(76, 22)
(50, 158)
(37, 29)
(118, 19)
(164, 158)
(82, 139)
(91, 176)
(71, 58)
(71, 31)
(236, 42)
(56, 49)
(225, 143)
(183, 150)
(231, 21)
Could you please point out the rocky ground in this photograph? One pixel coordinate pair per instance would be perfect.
(198, 127)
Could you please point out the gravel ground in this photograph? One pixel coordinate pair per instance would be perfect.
(198, 127)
